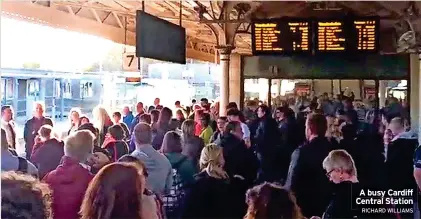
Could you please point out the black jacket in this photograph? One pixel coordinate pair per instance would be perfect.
(399, 162)
(342, 202)
(267, 136)
(367, 152)
(47, 156)
(307, 178)
(239, 160)
(117, 149)
(215, 198)
(31, 131)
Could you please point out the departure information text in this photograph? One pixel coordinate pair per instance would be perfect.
(366, 34)
(331, 36)
(281, 37)
(284, 36)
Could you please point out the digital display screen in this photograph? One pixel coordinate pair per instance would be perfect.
(331, 36)
(281, 36)
(293, 35)
(159, 39)
(366, 34)
(347, 35)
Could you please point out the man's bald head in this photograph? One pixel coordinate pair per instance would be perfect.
(143, 133)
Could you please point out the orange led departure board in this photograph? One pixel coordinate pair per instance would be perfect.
(366, 33)
(331, 36)
(347, 35)
(281, 36)
(294, 35)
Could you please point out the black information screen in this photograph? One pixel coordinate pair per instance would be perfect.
(281, 36)
(159, 39)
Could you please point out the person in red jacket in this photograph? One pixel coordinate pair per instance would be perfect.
(71, 178)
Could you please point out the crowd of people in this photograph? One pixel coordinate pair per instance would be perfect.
(304, 159)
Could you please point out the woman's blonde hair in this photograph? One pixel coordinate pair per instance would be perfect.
(76, 110)
(210, 161)
(340, 159)
(188, 127)
(100, 116)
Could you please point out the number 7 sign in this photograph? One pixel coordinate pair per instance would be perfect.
(130, 61)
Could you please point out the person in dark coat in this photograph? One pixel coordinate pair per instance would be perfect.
(306, 177)
(342, 172)
(266, 142)
(161, 127)
(114, 142)
(48, 152)
(140, 111)
(399, 161)
(192, 144)
(32, 126)
(220, 127)
(350, 111)
(117, 121)
(214, 194)
(239, 160)
(340, 169)
(366, 151)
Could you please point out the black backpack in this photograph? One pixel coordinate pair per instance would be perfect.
(23, 165)
(171, 202)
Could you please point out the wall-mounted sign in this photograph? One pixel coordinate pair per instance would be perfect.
(133, 79)
(282, 36)
(130, 61)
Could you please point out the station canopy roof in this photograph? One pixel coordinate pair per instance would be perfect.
(204, 20)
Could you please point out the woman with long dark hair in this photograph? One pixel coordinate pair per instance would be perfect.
(184, 169)
(115, 192)
(271, 201)
(161, 127)
(192, 144)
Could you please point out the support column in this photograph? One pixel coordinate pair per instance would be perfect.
(382, 93)
(415, 90)
(224, 54)
(235, 79)
(15, 95)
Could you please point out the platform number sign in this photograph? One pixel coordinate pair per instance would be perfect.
(130, 61)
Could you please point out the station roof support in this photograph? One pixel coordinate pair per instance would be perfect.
(59, 19)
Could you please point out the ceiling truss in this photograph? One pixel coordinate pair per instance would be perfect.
(212, 23)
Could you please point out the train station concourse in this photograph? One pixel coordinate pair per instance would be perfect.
(371, 45)
(210, 109)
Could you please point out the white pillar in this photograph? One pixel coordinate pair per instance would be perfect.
(263, 86)
(382, 93)
(278, 87)
(235, 79)
(415, 92)
(224, 54)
